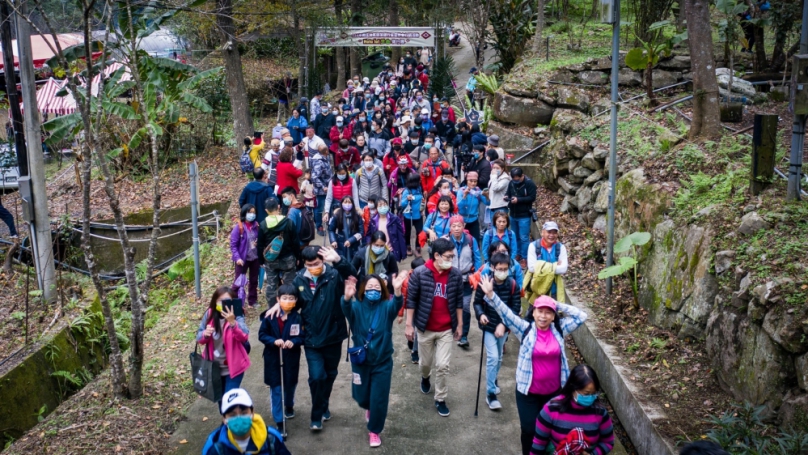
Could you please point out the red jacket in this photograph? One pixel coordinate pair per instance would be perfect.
(335, 135)
(432, 202)
(390, 163)
(428, 181)
(424, 78)
(351, 158)
(287, 175)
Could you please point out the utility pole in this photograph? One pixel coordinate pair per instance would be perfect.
(36, 164)
(193, 173)
(798, 126)
(613, 138)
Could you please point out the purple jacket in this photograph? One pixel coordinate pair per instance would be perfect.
(395, 229)
(392, 182)
(240, 242)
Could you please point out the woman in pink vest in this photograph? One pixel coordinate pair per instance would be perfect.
(341, 185)
(224, 335)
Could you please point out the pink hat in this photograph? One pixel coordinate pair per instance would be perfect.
(456, 219)
(472, 175)
(545, 301)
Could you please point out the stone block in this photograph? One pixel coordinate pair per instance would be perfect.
(584, 197)
(601, 152)
(572, 98)
(589, 161)
(602, 200)
(593, 77)
(568, 187)
(521, 111)
(582, 172)
(751, 223)
(596, 176)
(629, 77)
(677, 62)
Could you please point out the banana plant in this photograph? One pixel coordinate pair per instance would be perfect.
(646, 56)
(627, 263)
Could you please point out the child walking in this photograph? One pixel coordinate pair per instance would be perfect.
(282, 333)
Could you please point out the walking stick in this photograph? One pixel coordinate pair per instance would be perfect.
(480, 371)
(283, 397)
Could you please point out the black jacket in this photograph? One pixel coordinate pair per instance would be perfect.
(267, 334)
(390, 265)
(291, 244)
(510, 294)
(321, 311)
(323, 124)
(256, 193)
(525, 193)
(483, 169)
(446, 131)
(421, 290)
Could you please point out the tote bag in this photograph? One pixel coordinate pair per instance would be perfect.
(206, 376)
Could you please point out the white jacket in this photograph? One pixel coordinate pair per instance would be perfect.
(497, 187)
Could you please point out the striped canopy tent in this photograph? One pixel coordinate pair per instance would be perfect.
(48, 103)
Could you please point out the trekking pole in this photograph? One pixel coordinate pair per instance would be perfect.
(283, 397)
(479, 376)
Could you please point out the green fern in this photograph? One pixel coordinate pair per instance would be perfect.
(489, 84)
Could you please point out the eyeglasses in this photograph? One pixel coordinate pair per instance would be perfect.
(450, 258)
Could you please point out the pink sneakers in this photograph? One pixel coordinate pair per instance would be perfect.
(375, 440)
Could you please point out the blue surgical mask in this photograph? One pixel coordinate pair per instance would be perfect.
(239, 425)
(585, 400)
(250, 217)
(377, 250)
(476, 156)
(342, 176)
(287, 202)
(373, 295)
(384, 210)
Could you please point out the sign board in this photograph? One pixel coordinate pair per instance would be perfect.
(376, 36)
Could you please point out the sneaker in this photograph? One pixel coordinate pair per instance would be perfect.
(316, 426)
(426, 387)
(375, 440)
(367, 415)
(327, 416)
(443, 410)
(464, 342)
(409, 251)
(289, 412)
(414, 357)
(321, 232)
(493, 403)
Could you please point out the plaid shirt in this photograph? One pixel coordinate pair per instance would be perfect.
(571, 320)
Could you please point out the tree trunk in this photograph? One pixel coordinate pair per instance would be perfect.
(536, 42)
(242, 119)
(356, 21)
(760, 49)
(395, 21)
(778, 60)
(649, 84)
(706, 120)
(339, 52)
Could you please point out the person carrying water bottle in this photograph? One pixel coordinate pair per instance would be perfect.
(370, 313)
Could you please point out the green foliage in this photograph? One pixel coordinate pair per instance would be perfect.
(702, 190)
(627, 263)
(632, 240)
(513, 23)
(40, 414)
(18, 315)
(658, 343)
(632, 348)
(184, 268)
(440, 83)
(742, 431)
(489, 84)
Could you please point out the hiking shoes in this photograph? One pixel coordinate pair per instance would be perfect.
(414, 357)
(375, 440)
(443, 410)
(464, 342)
(289, 412)
(327, 416)
(316, 426)
(426, 387)
(493, 403)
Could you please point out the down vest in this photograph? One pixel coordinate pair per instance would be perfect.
(421, 290)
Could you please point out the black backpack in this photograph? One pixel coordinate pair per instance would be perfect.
(307, 226)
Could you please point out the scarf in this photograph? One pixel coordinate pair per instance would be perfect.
(375, 264)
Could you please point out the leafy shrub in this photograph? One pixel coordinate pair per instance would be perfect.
(741, 431)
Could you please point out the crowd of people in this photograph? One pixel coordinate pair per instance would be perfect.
(386, 174)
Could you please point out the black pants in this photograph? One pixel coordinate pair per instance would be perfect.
(408, 224)
(8, 218)
(529, 407)
(474, 230)
(323, 364)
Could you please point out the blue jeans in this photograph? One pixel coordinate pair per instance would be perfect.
(362, 205)
(229, 383)
(323, 365)
(521, 227)
(493, 359)
(277, 404)
(318, 211)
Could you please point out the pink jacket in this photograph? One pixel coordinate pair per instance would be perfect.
(234, 338)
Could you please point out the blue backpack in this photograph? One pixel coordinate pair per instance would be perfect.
(245, 162)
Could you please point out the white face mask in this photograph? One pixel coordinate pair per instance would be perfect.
(501, 276)
(443, 265)
(368, 164)
(445, 191)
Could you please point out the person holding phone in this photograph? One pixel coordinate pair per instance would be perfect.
(224, 335)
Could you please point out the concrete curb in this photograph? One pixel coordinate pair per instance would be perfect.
(637, 418)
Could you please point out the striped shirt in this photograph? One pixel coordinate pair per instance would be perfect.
(572, 318)
(553, 425)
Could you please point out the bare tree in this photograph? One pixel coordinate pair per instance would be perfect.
(356, 21)
(395, 21)
(240, 106)
(475, 26)
(535, 44)
(339, 52)
(706, 116)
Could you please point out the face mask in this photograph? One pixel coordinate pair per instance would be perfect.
(396, 147)
(372, 212)
(444, 118)
(476, 156)
(347, 207)
(373, 295)
(368, 164)
(335, 112)
(384, 210)
(339, 123)
(586, 400)
(344, 149)
(443, 265)
(239, 425)
(287, 202)
(250, 217)
(287, 305)
(445, 191)
(419, 97)
(434, 100)
(377, 250)
(414, 140)
(382, 97)
(427, 145)
(425, 117)
(315, 271)
(501, 276)
(342, 176)
(497, 172)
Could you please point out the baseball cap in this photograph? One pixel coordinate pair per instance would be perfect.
(235, 397)
(403, 161)
(405, 119)
(545, 301)
(549, 226)
(340, 118)
(473, 70)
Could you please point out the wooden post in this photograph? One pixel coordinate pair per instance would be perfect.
(764, 147)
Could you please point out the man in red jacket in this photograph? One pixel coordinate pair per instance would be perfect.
(340, 130)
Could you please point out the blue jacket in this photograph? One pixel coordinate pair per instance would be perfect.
(256, 193)
(267, 334)
(360, 316)
(415, 207)
(509, 238)
(469, 206)
(301, 124)
(439, 224)
(263, 441)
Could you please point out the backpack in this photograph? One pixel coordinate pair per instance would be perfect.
(273, 250)
(537, 246)
(245, 162)
(307, 226)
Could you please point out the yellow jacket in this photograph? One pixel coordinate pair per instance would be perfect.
(539, 282)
